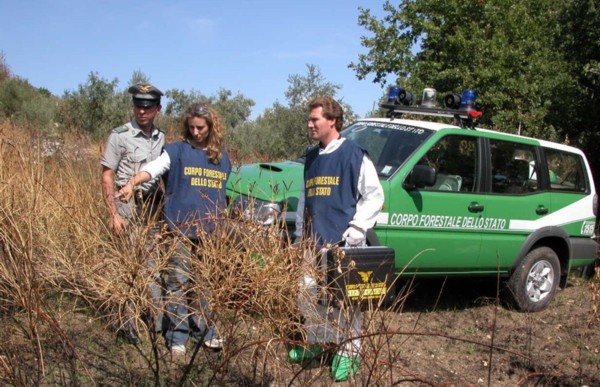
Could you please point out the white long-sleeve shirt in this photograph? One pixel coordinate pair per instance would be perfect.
(158, 166)
(370, 198)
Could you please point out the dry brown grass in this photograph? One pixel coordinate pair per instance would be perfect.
(65, 281)
(55, 243)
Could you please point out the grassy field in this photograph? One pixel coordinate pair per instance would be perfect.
(65, 282)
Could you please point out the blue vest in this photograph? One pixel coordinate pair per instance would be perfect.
(331, 191)
(195, 189)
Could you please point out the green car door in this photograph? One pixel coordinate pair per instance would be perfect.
(431, 228)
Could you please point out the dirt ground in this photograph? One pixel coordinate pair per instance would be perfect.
(461, 337)
(447, 333)
(452, 333)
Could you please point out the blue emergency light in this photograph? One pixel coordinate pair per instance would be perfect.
(399, 96)
(393, 94)
(460, 107)
(467, 100)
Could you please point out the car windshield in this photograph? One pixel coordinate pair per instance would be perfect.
(388, 144)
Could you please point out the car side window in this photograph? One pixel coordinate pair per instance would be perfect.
(565, 171)
(455, 159)
(513, 167)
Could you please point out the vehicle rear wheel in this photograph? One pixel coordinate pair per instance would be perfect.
(533, 284)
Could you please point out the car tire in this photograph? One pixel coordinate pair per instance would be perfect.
(534, 282)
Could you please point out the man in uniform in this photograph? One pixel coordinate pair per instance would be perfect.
(129, 147)
(340, 201)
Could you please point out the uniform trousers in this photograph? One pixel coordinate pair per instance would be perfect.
(324, 322)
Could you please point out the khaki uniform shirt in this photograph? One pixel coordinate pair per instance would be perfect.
(128, 149)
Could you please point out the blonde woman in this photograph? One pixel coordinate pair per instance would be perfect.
(198, 168)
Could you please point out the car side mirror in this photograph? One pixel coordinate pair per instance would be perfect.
(421, 176)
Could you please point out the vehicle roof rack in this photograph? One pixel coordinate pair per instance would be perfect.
(466, 119)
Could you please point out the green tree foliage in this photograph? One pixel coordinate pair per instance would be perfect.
(579, 42)
(26, 105)
(179, 100)
(96, 107)
(234, 110)
(281, 132)
(4, 69)
(503, 49)
(534, 63)
(303, 88)
(139, 76)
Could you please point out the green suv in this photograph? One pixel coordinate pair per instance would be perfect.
(459, 200)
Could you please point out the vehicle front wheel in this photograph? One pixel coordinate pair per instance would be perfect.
(533, 284)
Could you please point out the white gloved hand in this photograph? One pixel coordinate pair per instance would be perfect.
(353, 236)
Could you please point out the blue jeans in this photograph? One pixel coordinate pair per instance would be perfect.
(187, 311)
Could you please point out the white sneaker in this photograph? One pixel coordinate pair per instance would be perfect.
(214, 343)
(178, 350)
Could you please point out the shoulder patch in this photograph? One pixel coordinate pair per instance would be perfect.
(120, 129)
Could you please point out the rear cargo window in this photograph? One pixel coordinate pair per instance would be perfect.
(565, 171)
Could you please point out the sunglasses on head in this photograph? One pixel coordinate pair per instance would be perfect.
(201, 110)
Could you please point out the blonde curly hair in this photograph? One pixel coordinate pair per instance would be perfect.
(216, 131)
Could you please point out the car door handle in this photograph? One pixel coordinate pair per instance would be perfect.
(475, 207)
(541, 210)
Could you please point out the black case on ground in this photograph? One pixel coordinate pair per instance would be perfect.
(362, 275)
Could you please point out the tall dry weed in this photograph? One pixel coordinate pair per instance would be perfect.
(54, 242)
(32, 217)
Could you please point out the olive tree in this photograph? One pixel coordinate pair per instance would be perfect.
(280, 132)
(95, 107)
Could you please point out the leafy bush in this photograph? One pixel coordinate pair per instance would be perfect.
(26, 105)
(96, 107)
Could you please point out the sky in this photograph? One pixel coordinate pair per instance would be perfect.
(246, 46)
